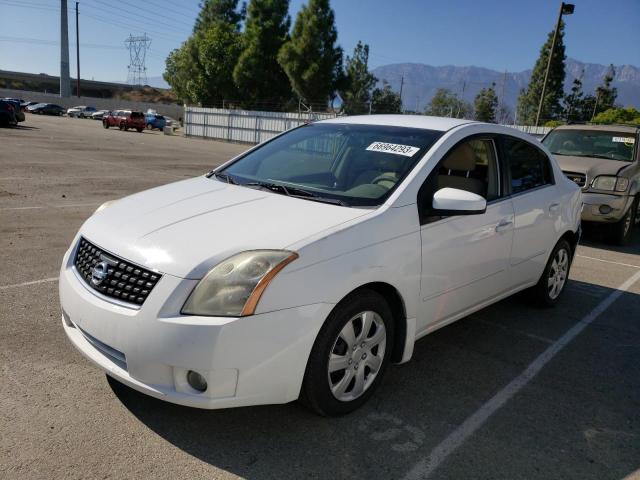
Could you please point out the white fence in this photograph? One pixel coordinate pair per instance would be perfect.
(244, 126)
(249, 126)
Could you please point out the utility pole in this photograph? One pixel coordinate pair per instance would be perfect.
(565, 9)
(501, 104)
(401, 85)
(77, 53)
(65, 87)
(464, 85)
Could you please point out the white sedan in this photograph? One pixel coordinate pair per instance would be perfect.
(304, 266)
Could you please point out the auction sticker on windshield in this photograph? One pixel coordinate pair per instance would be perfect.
(627, 140)
(406, 150)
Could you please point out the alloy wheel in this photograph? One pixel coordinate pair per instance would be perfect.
(558, 273)
(357, 356)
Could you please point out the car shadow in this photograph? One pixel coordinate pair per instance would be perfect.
(26, 127)
(595, 236)
(453, 372)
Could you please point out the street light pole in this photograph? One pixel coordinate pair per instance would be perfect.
(77, 54)
(566, 9)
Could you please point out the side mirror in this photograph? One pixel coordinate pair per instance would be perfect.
(453, 201)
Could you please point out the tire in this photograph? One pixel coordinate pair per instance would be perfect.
(139, 129)
(622, 230)
(357, 355)
(149, 127)
(122, 126)
(105, 124)
(544, 294)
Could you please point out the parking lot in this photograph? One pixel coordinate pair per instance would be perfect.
(512, 391)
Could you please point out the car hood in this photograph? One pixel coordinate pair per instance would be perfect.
(591, 167)
(186, 228)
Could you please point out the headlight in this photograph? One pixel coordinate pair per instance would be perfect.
(611, 183)
(234, 286)
(103, 206)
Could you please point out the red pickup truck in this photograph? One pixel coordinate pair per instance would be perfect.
(124, 120)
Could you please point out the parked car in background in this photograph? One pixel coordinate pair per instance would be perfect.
(305, 266)
(99, 115)
(46, 109)
(25, 105)
(124, 120)
(153, 120)
(19, 100)
(7, 113)
(604, 161)
(19, 113)
(81, 111)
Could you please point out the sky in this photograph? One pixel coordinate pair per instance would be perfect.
(496, 34)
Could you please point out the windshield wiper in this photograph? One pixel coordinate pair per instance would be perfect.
(225, 177)
(295, 192)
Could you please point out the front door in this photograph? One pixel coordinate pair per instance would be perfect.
(465, 258)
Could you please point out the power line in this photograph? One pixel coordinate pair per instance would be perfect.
(39, 41)
(173, 20)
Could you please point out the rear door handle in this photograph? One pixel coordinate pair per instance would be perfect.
(553, 207)
(503, 225)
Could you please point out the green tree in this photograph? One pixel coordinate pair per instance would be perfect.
(259, 77)
(385, 100)
(311, 59)
(215, 11)
(182, 71)
(486, 104)
(530, 98)
(606, 95)
(619, 115)
(358, 82)
(200, 71)
(446, 104)
(573, 102)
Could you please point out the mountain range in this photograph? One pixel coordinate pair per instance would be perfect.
(421, 81)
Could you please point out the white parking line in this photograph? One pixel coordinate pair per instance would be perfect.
(609, 261)
(32, 282)
(425, 467)
(37, 207)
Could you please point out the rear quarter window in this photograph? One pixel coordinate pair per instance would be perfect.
(529, 167)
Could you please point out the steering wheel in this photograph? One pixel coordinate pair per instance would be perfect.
(385, 177)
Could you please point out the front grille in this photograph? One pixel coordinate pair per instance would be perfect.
(579, 179)
(112, 276)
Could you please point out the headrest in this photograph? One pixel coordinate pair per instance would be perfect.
(463, 158)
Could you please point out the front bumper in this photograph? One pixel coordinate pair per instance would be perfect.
(258, 359)
(618, 204)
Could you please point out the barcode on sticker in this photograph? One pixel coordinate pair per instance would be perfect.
(627, 140)
(396, 149)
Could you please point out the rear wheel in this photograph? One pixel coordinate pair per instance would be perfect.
(554, 277)
(139, 129)
(621, 231)
(123, 126)
(349, 355)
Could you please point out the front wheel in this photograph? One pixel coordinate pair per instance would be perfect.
(122, 126)
(547, 291)
(349, 355)
(105, 124)
(622, 230)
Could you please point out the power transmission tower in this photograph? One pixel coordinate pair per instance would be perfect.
(138, 47)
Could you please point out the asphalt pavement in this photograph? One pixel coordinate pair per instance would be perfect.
(513, 391)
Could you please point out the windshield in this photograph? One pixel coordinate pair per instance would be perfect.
(353, 165)
(591, 143)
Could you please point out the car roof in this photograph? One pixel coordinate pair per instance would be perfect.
(411, 121)
(600, 127)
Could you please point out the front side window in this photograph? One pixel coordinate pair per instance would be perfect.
(354, 165)
(471, 165)
(609, 145)
(529, 166)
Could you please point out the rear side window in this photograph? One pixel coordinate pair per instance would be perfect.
(137, 115)
(529, 167)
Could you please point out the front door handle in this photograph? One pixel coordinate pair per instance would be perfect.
(553, 207)
(503, 225)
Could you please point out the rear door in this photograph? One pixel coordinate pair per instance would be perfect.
(536, 206)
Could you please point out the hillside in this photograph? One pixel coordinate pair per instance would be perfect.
(421, 81)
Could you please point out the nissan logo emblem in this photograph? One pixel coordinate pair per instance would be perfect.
(99, 273)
